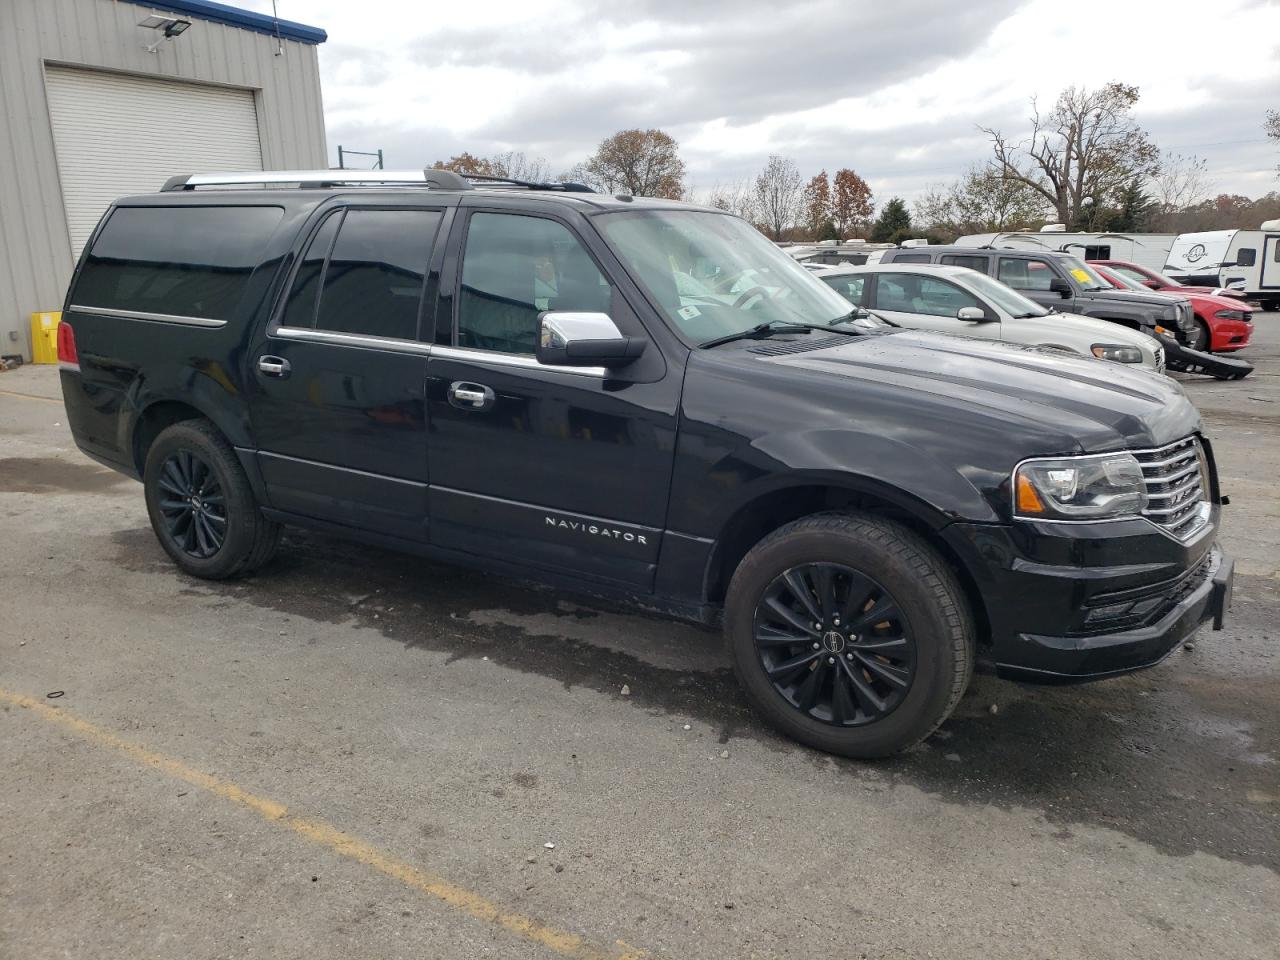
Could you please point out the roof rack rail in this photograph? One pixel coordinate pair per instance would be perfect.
(567, 186)
(322, 179)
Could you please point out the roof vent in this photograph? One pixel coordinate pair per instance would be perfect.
(1054, 228)
(1270, 225)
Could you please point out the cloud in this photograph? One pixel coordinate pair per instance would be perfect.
(894, 90)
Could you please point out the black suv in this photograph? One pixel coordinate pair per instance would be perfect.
(644, 400)
(1062, 282)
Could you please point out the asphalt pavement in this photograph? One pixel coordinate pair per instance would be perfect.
(362, 754)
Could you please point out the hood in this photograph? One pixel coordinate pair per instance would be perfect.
(1218, 299)
(1104, 331)
(1152, 299)
(1047, 399)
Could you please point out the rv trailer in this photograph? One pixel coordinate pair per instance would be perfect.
(1246, 262)
(1145, 249)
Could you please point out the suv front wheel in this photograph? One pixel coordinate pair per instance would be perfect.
(202, 508)
(850, 634)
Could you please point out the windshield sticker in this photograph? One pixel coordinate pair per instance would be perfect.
(689, 312)
(1081, 276)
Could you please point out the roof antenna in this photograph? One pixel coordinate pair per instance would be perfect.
(275, 15)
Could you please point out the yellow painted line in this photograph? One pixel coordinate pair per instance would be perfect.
(475, 905)
(30, 396)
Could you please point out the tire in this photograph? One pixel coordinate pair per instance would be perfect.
(905, 575)
(1201, 339)
(191, 469)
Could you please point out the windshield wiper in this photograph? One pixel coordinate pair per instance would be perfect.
(859, 313)
(762, 330)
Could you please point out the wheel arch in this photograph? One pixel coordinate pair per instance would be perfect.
(155, 413)
(754, 520)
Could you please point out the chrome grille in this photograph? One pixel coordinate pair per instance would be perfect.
(1177, 500)
(1159, 358)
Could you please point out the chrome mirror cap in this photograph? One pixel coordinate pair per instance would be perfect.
(584, 340)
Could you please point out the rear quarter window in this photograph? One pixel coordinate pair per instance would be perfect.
(912, 258)
(175, 261)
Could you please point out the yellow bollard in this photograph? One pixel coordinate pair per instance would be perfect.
(44, 336)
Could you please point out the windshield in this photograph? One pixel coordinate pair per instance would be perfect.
(1003, 296)
(1123, 281)
(714, 275)
(1084, 274)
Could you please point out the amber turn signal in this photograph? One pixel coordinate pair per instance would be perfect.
(1028, 499)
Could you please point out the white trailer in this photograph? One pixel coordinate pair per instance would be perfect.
(1246, 262)
(1145, 249)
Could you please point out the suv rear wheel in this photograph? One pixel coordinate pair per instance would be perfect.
(202, 508)
(850, 634)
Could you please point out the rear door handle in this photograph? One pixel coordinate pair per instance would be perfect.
(274, 366)
(471, 396)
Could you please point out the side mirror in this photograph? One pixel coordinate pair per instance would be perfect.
(1059, 286)
(584, 340)
(973, 315)
(1152, 284)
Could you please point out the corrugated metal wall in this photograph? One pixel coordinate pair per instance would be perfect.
(35, 246)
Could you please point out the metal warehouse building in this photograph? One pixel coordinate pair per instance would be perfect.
(104, 98)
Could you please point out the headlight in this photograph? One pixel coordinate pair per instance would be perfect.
(1232, 314)
(1117, 352)
(1079, 488)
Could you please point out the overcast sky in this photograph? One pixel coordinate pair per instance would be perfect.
(894, 90)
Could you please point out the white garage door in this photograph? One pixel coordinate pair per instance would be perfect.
(120, 135)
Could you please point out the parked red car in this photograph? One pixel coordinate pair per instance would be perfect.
(1223, 323)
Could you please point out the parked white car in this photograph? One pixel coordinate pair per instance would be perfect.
(963, 301)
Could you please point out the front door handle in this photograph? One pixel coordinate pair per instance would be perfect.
(274, 366)
(471, 396)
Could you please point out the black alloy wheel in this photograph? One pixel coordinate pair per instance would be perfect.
(192, 504)
(834, 644)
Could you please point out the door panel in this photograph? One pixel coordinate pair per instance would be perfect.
(561, 468)
(1270, 279)
(339, 403)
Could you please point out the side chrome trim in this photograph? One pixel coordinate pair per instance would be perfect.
(174, 319)
(519, 360)
(352, 340)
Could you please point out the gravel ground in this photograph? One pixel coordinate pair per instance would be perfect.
(358, 753)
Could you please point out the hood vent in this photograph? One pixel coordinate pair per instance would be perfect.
(796, 346)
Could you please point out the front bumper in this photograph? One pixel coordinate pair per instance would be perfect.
(1227, 335)
(1100, 613)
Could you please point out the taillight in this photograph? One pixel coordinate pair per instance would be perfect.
(67, 344)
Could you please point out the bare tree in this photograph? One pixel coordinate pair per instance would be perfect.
(643, 163)
(1087, 150)
(817, 207)
(736, 198)
(778, 190)
(980, 202)
(1272, 126)
(1181, 182)
(851, 202)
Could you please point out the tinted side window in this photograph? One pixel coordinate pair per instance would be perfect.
(912, 258)
(1095, 251)
(849, 287)
(1246, 257)
(373, 281)
(300, 308)
(177, 261)
(912, 293)
(513, 269)
(1025, 274)
(964, 260)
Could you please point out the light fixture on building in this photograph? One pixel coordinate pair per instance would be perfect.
(169, 28)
